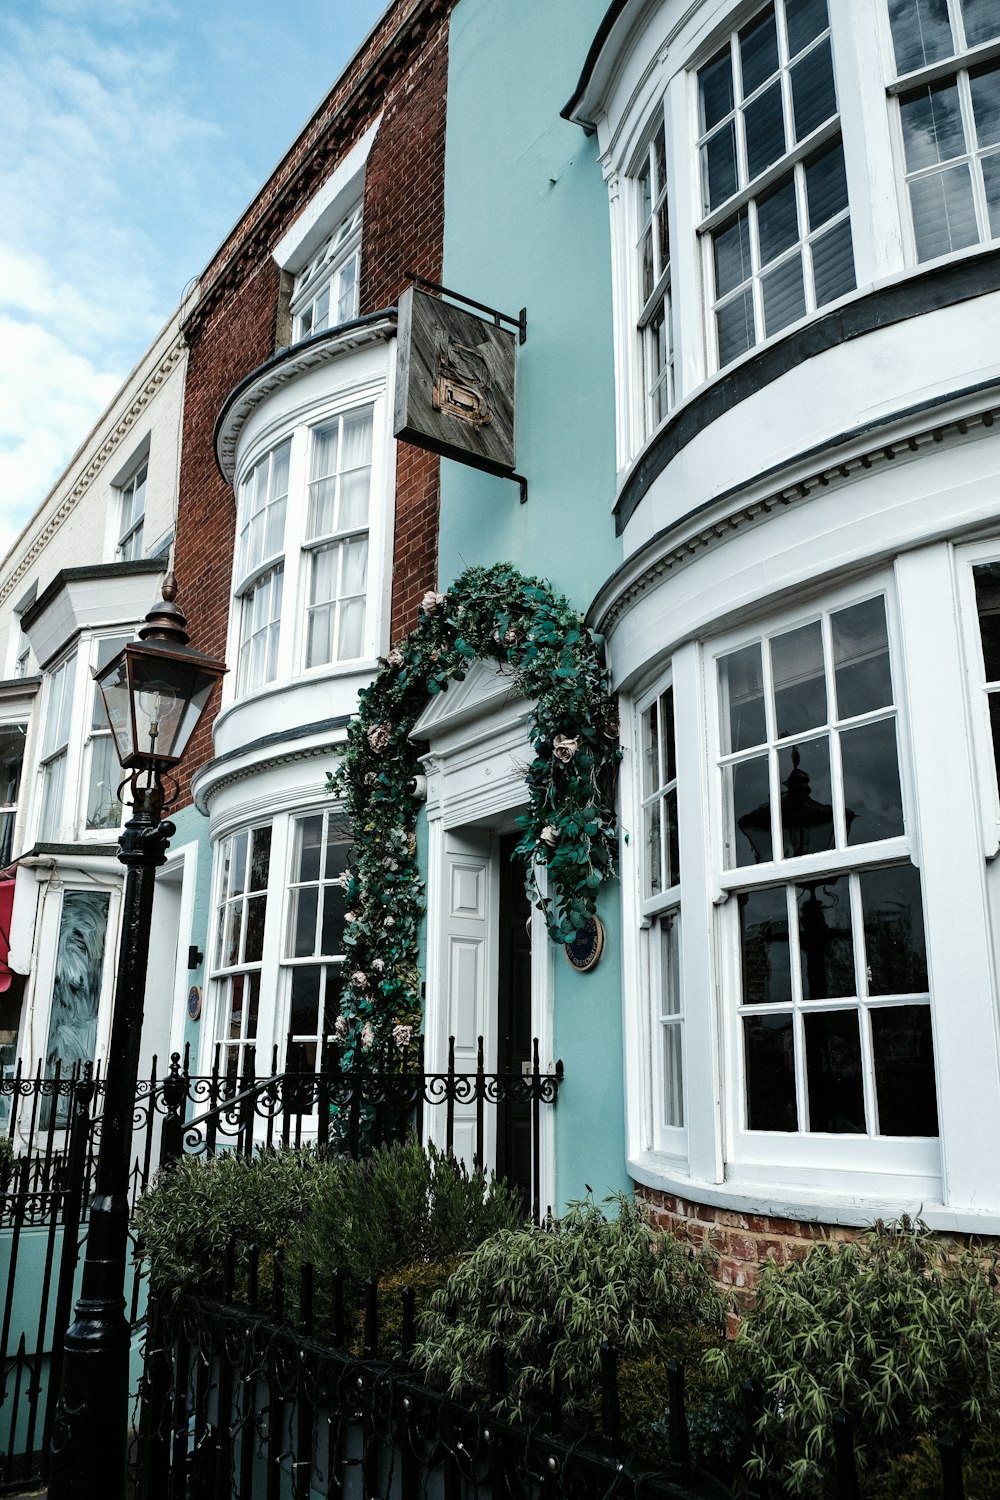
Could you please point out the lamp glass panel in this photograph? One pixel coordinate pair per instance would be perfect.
(169, 698)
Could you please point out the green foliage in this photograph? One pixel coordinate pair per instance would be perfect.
(894, 1328)
(400, 1206)
(424, 1278)
(551, 1297)
(534, 634)
(188, 1217)
(7, 1160)
(916, 1475)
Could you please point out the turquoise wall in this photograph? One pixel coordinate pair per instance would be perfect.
(526, 225)
(192, 827)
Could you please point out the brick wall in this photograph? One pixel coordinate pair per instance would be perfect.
(740, 1240)
(402, 72)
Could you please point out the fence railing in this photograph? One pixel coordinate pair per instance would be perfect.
(54, 1124)
(237, 1403)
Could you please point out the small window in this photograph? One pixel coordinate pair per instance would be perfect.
(775, 190)
(986, 577)
(326, 290)
(239, 947)
(314, 940)
(132, 514)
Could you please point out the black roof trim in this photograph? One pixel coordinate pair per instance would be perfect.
(611, 15)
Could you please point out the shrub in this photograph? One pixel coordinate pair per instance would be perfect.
(551, 1297)
(916, 1475)
(400, 1206)
(192, 1212)
(894, 1328)
(7, 1160)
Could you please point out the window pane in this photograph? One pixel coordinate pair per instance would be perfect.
(260, 858)
(103, 807)
(354, 499)
(871, 782)
(920, 32)
(253, 1006)
(805, 19)
(673, 1090)
(765, 130)
(769, 1055)
(53, 787)
(784, 295)
(991, 180)
(332, 940)
(861, 658)
(253, 944)
(982, 21)
(305, 907)
(654, 849)
(651, 775)
(234, 925)
(715, 82)
(758, 51)
(985, 86)
(338, 849)
(904, 1070)
(833, 263)
(833, 1072)
(767, 975)
(319, 645)
(994, 703)
(944, 216)
(806, 810)
(826, 947)
(750, 799)
(673, 845)
(238, 863)
(777, 220)
(735, 325)
(352, 630)
(932, 125)
(799, 682)
(720, 165)
(310, 842)
(826, 184)
(894, 931)
(987, 580)
(814, 97)
(304, 1009)
(731, 248)
(741, 683)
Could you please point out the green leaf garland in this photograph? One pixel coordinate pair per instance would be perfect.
(569, 828)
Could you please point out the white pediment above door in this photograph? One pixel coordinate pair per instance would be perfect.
(484, 692)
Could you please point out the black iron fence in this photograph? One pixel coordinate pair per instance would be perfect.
(51, 1131)
(236, 1403)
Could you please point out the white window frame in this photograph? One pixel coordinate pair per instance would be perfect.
(338, 539)
(225, 974)
(661, 933)
(98, 733)
(789, 1156)
(131, 524)
(979, 690)
(749, 190)
(9, 805)
(55, 770)
(956, 67)
(656, 373)
(334, 830)
(259, 568)
(333, 273)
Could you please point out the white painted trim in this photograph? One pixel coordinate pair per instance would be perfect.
(326, 207)
(183, 859)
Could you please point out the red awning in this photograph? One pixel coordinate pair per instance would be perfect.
(8, 879)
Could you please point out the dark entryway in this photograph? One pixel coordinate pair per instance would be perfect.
(514, 1030)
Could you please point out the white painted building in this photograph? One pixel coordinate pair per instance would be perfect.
(805, 208)
(73, 588)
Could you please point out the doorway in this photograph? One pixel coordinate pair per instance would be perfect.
(514, 1017)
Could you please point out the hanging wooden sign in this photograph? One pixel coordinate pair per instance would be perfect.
(455, 383)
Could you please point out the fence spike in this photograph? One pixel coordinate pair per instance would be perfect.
(846, 1468)
(950, 1453)
(680, 1447)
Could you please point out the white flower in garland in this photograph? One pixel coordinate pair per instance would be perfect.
(367, 1036)
(378, 964)
(379, 736)
(340, 1028)
(360, 979)
(395, 658)
(432, 601)
(389, 921)
(549, 835)
(565, 746)
(343, 880)
(402, 1036)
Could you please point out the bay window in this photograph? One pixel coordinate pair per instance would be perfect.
(950, 123)
(776, 224)
(314, 937)
(833, 1008)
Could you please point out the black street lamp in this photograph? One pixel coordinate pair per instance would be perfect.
(154, 692)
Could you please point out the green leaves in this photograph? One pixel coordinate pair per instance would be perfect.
(535, 634)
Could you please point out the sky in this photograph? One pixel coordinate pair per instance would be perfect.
(132, 134)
